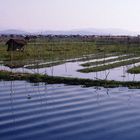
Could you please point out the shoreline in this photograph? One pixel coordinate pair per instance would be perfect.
(36, 78)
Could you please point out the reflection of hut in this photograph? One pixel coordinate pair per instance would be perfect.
(16, 44)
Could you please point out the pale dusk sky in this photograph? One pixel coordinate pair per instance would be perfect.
(69, 14)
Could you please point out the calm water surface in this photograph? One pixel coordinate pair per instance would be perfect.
(59, 112)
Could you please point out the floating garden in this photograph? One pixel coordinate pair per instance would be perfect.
(45, 61)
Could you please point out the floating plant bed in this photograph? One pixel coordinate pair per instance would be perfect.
(134, 70)
(106, 61)
(5, 75)
(109, 66)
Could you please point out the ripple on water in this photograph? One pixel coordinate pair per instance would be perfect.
(59, 112)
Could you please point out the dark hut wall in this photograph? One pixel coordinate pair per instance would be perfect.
(15, 45)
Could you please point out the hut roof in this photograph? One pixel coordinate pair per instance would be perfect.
(18, 41)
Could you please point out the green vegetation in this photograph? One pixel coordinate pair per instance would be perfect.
(4, 75)
(106, 61)
(109, 66)
(134, 70)
(50, 64)
(62, 50)
(49, 51)
(56, 52)
(46, 51)
(44, 65)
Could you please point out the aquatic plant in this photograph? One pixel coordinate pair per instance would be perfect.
(109, 66)
(35, 78)
(107, 61)
(134, 70)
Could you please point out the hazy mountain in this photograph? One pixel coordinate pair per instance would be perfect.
(14, 31)
(89, 31)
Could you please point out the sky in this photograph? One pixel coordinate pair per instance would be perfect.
(69, 14)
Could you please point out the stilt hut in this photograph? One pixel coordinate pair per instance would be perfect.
(16, 44)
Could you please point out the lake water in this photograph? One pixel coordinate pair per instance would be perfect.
(60, 112)
(69, 69)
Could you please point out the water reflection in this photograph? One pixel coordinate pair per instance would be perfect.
(12, 103)
(26, 91)
(67, 112)
(69, 69)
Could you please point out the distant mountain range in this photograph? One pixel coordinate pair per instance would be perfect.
(13, 31)
(91, 31)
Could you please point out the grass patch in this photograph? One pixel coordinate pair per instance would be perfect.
(109, 66)
(49, 50)
(134, 70)
(5, 75)
(106, 61)
(62, 50)
(35, 66)
(46, 50)
(84, 58)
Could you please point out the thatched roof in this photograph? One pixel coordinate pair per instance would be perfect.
(18, 41)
